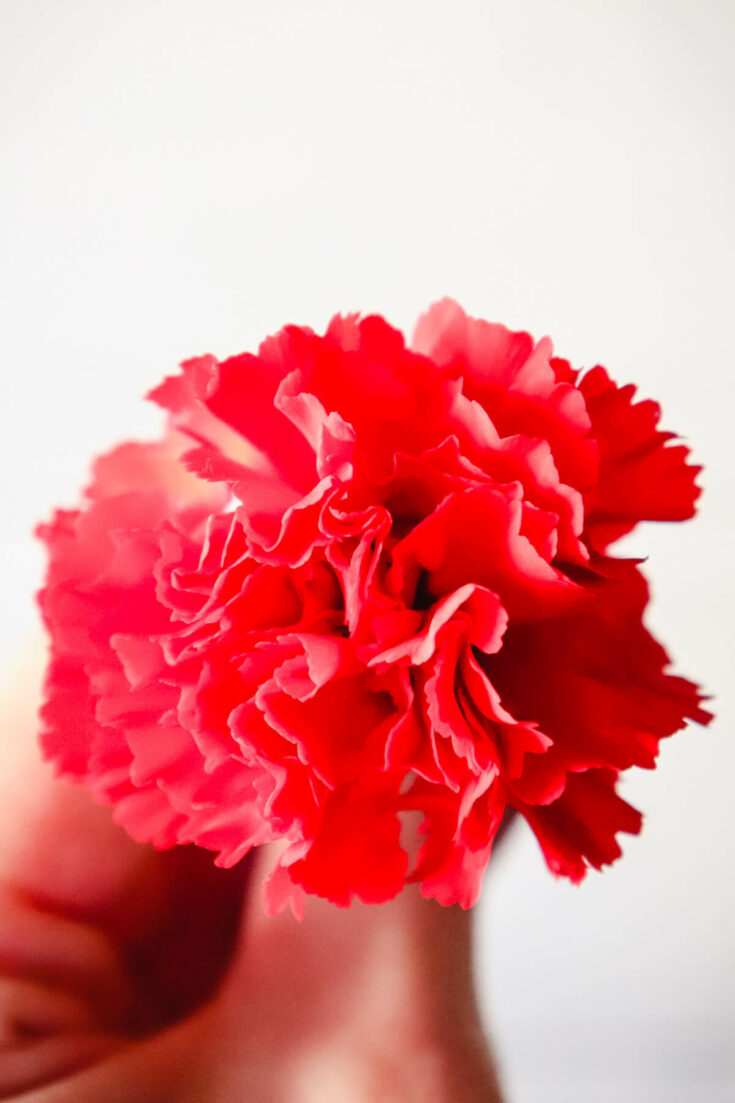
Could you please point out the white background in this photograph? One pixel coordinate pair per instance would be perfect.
(181, 176)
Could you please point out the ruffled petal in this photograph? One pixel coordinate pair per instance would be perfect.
(643, 476)
(358, 586)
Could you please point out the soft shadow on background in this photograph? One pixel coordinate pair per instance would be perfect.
(181, 177)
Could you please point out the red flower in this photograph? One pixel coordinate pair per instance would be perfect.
(378, 585)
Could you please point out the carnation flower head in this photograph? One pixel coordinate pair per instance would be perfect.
(362, 589)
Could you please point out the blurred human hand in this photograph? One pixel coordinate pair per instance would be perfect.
(132, 976)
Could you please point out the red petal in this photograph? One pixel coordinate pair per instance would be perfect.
(579, 829)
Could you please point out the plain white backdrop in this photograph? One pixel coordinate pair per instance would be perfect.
(182, 176)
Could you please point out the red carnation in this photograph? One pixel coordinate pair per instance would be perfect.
(377, 584)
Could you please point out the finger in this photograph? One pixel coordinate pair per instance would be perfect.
(48, 1060)
(46, 948)
(29, 1009)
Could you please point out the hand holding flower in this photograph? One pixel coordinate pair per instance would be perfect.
(128, 974)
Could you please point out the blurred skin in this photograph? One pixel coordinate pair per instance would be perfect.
(128, 976)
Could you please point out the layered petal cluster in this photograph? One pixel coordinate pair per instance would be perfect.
(360, 600)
